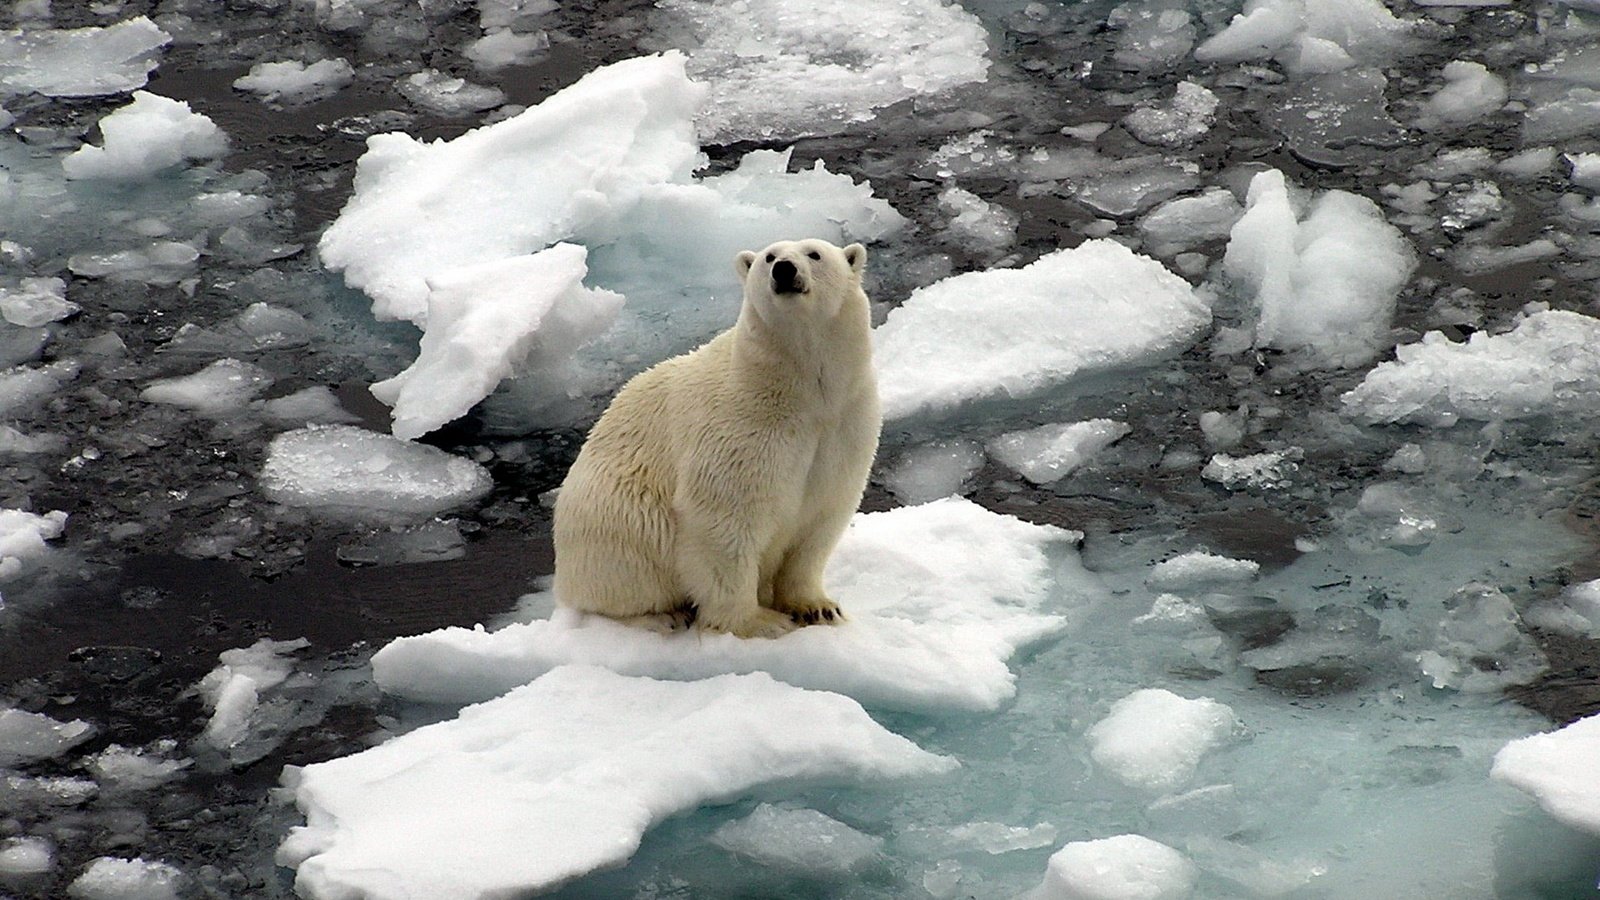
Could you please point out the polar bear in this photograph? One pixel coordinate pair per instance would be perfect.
(717, 483)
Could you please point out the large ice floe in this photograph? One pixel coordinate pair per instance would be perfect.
(619, 192)
(1548, 365)
(1309, 37)
(80, 62)
(563, 776)
(934, 618)
(1558, 767)
(1016, 332)
(777, 70)
(1322, 275)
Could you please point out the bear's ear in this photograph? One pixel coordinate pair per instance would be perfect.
(856, 256)
(743, 262)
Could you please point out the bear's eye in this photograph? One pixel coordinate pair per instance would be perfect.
(814, 255)
(770, 257)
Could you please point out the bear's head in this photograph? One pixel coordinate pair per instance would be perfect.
(809, 278)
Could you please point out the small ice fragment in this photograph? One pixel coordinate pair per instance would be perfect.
(1190, 221)
(1470, 92)
(933, 471)
(159, 263)
(1049, 453)
(977, 224)
(499, 49)
(798, 840)
(233, 691)
(1478, 645)
(223, 387)
(23, 535)
(448, 95)
(344, 467)
(997, 837)
(1263, 471)
(110, 878)
(35, 302)
(295, 81)
(129, 769)
(1223, 430)
(149, 135)
(1184, 120)
(1199, 570)
(27, 737)
(1125, 867)
(1154, 739)
(26, 856)
(315, 405)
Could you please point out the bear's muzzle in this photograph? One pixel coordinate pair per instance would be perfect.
(786, 278)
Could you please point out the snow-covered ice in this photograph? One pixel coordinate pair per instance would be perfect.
(132, 769)
(1183, 120)
(1324, 275)
(115, 878)
(1198, 570)
(23, 535)
(1154, 739)
(1016, 332)
(26, 856)
(933, 471)
(1124, 867)
(341, 468)
(1558, 767)
(1470, 92)
(1266, 470)
(1576, 611)
(777, 71)
(80, 62)
(149, 135)
(563, 776)
(799, 840)
(448, 95)
(1048, 453)
(1309, 37)
(234, 690)
(521, 315)
(221, 388)
(27, 737)
(938, 596)
(1548, 365)
(293, 81)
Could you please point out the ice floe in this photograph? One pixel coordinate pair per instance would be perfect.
(1558, 767)
(939, 597)
(563, 776)
(80, 62)
(1470, 92)
(149, 135)
(235, 693)
(1016, 332)
(347, 470)
(1124, 867)
(933, 471)
(223, 387)
(35, 302)
(1154, 739)
(1548, 365)
(798, 840)
(293, 81)
(23, 535)
(27, 737)
(1198, 570)
(1051, 452)
(114, 878)
(1309, 37)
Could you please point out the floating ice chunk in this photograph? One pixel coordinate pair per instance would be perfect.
(1576, 611)
(232, 691)
(1015, 332)
(504, 47)
(448, 95)
(798, 840)
(495, 14)
(1470, 92)
(296, 82)
(110, 878)
(563, 776)
(27, 737)
(23, 386)
(1468, 206)
(1338, 120)
(1183, 121)
(225, 386)
(314, 405)
(1125, 867)
(341, 467)
(1325, 280)
(26, 856)
(81, 62)
(159, 263)
(1267, 470)
(1308, 36)
(1584, 170)
(1223, 430)
(23, 536)
(778, 71)
(1479, 646)
(1187, 222)
(1154, 739)
(933, 471)
(127, 769)
(1129, 186)
(978, 225)
(148, 135)
(1481, 259)
(35, 302)
(525, 314)
(1198, 570)
(997, 837)
(1548, 365)
(1051, 452)
(939, 596)
(259, 327)
(1154, 34)
(14, 441)
(1528, 163)
(1557, 767)
(1573, 114)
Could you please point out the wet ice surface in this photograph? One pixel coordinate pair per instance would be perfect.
(1329, 630)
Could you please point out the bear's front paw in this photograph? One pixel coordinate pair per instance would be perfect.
(815, 612)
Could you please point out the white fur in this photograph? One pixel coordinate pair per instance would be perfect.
(719, 481)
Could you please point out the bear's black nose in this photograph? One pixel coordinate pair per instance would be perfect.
(783, 277)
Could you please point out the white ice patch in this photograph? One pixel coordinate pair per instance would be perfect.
(225, 386)
(1049, 453)
(1188, 222)
(1154, 739)
(149, 135)
(1470, 92)
(1324, 276)
(521, 315)
(27, 737)
(1199, 570)
(1267, 470)
(23, 535)
(933, 471)
(1576, 611)
(1548, 365)
(502, 48)
(1016, 332)
(1308, 37)
(232, 691)
(342, 468)
(23, 387)
(798, 840)
(977, 224)
(110, 878)
(779, 71)
(35, 302)
(296, 82)
(1558, 767)
(81, 62)
(1125, 867)
(448, 95)
(316, 405)
(1184, 120)
(563, 776)
(939, 597)
(127, 769)
(26, 856)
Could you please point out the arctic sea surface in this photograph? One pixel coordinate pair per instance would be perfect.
(1233, 532)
